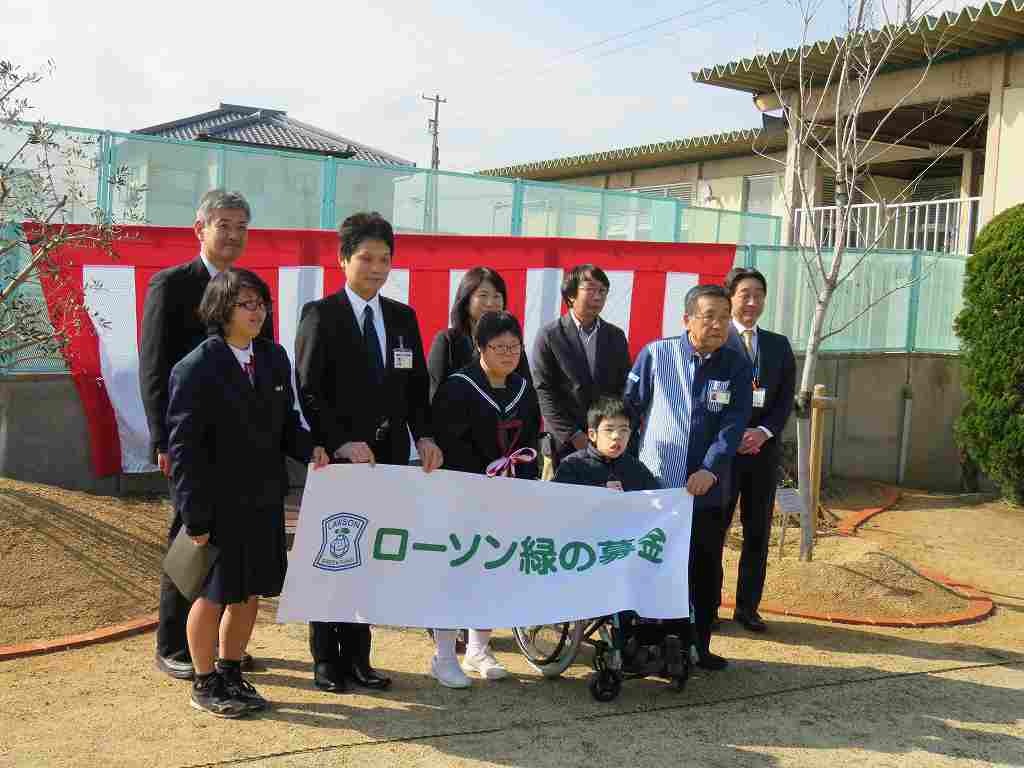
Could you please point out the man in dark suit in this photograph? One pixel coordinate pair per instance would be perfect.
(755, 470)
(577, 359)
(171, 328)
(363, 386)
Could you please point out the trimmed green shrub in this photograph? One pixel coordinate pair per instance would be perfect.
(991, 331)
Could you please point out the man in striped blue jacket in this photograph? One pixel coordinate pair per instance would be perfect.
(691, 397)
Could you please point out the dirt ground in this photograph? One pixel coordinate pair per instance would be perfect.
(107, 551)
(804, 694)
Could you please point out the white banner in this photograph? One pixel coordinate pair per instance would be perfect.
(393, 545)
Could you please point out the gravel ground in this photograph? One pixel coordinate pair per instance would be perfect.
(804, 694)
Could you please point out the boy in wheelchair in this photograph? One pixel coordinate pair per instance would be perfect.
(638, 646)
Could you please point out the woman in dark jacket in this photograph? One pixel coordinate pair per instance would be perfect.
(487, 421)
(481, 290)
(232, 422)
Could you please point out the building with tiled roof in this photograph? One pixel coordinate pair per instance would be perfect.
(269, 128)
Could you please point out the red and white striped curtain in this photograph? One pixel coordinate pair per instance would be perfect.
(648, 283)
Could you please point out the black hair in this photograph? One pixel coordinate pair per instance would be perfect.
(222, 292)
(737, 274)
(606, 408)
(494, 324)
(469, 284)
(575, 277)
(700, 291)
(364, 226)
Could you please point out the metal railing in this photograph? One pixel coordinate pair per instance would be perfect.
(937, 226)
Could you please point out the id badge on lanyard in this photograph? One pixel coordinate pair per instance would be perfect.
(759, 391)
(403, 356)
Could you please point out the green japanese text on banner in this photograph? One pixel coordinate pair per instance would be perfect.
(394, 545)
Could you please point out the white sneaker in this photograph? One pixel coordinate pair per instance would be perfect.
(485, 664)
(448, 673)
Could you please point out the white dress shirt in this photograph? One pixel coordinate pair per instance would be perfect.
(588, 340)
(740, 328)
(209, 265)
(359, 305)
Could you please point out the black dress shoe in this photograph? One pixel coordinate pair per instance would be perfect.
(179, 669)
(712, 661)
(326, 678)
(368, 677)
(751, 621)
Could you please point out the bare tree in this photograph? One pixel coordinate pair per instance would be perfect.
(825, 115)
(48, 183)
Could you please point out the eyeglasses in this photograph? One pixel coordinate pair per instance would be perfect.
(620, 432)
(253, 305)
(712, 319)
(593, 289)
(506, 349)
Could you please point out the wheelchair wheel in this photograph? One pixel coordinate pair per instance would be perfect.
(605, 686)
(550, 648)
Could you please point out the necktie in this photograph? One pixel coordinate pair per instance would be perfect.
(748, 342)
(250, 370)
(372, 340)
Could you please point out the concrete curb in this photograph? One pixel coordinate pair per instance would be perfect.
(101, 635)
(979, 606)
(848, 525)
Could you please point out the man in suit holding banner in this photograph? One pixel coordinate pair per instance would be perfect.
(171, 328)
(363, 386)
(755, 470)
(691, 398)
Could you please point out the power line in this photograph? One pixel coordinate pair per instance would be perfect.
(674, 33)
(627, 33)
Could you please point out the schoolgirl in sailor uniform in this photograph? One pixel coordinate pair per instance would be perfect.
(487, 421)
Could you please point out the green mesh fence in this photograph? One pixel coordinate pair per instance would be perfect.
(292, 190)
(918, 295)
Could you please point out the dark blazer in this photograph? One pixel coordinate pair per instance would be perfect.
(776, 374)
(451, 351)
(228, 438)
(340, 400)
(171, 328)
(469, 414)
(561, 375)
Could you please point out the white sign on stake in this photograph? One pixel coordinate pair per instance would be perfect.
(394, 545)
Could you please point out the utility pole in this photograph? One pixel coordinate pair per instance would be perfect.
(910, 11)
(432, 127)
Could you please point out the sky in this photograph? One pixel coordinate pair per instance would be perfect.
(525, 81)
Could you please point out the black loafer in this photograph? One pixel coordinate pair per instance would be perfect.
(712, 661)
(367, 677)
(179, 669)
(326, 678)
(751, 621)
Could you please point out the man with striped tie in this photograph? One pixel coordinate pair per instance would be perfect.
(755, 472)
(691, 399)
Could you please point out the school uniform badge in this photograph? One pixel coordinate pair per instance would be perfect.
(339, 547)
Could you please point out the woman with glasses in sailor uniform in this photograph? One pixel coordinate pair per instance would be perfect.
(487, 421)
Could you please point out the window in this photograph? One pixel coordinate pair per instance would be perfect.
(759, 193)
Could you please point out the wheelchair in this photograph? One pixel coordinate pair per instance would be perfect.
(626, 647)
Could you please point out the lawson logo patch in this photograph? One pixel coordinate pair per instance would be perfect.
(339, 546)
